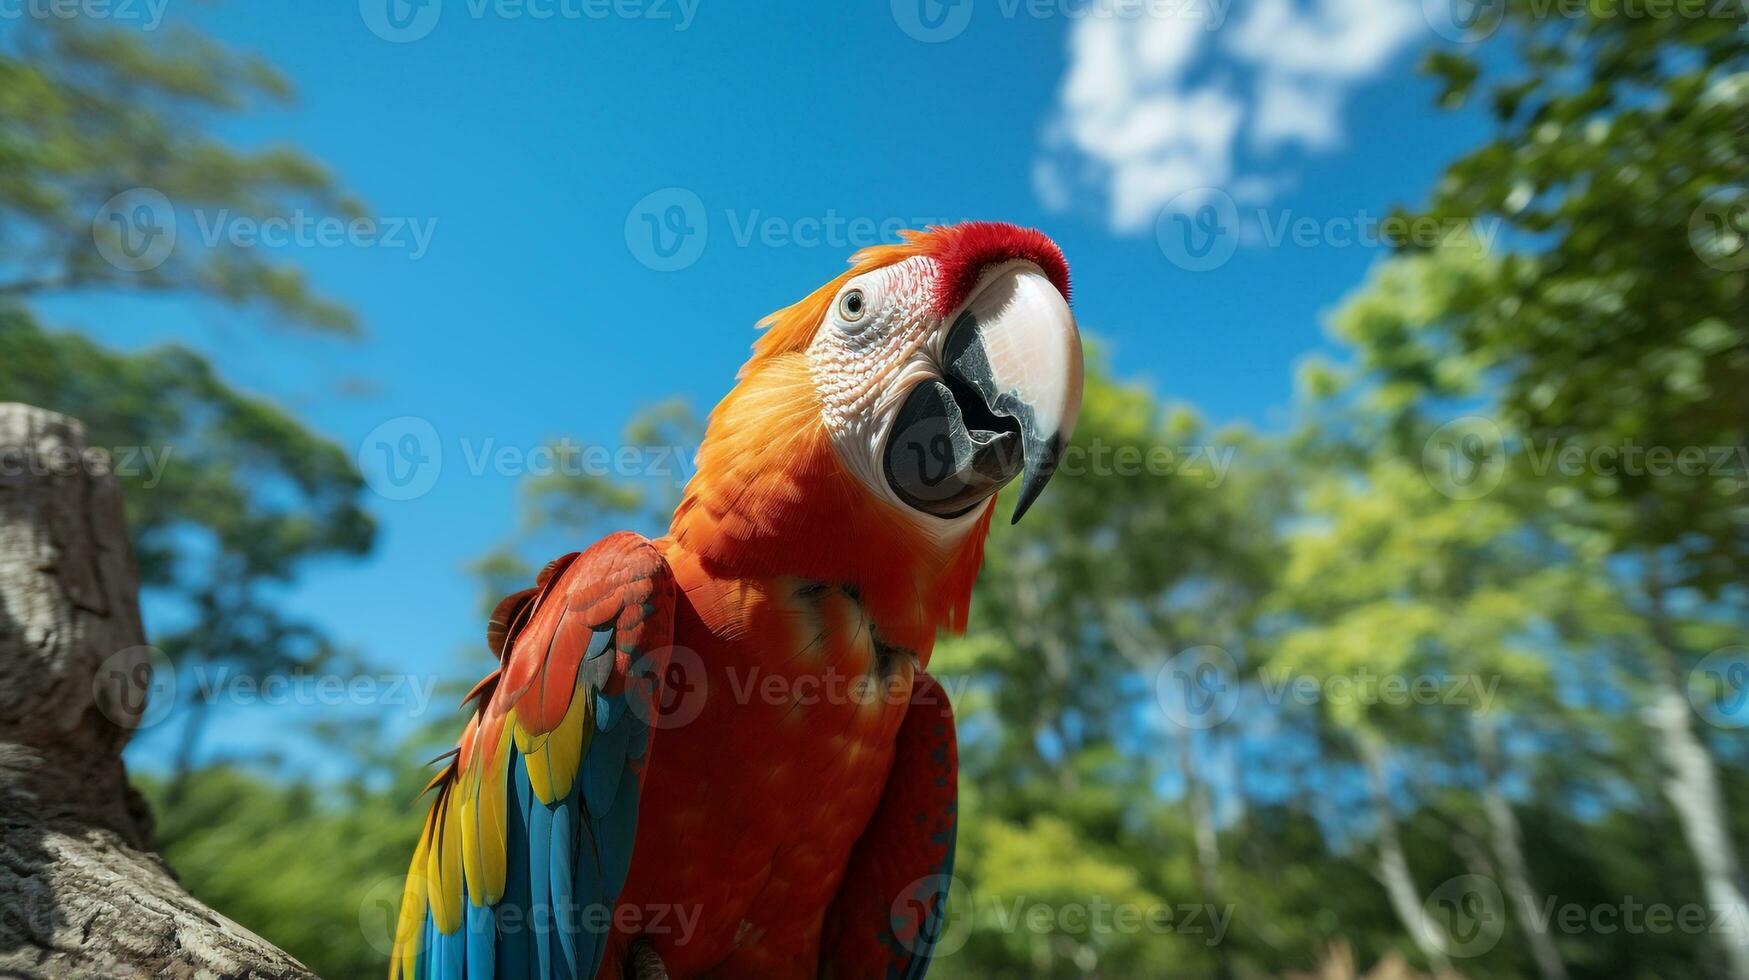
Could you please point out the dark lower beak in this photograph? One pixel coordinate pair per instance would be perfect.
(1004, 406)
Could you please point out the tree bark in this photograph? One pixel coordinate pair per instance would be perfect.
(1139, 651)
(1508, 837)
(81, 892)
(1393, 870)
(1691, 782)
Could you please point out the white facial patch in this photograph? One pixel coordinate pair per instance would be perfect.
(865, 364)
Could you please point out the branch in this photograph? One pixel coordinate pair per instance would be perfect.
(81, 893)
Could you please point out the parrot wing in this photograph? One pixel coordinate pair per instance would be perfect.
(889, 915)
(530, 834)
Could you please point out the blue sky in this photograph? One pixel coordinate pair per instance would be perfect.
(531, 148)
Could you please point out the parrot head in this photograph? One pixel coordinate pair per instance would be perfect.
(880, 415)
(947, 373)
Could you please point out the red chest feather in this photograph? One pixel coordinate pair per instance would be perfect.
(782, 705)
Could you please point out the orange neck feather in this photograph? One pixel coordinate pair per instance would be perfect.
(770, 498)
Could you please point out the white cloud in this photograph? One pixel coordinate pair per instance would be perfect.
(1155, 101)
(1292, 111)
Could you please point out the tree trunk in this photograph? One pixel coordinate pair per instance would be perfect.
(1393, 871)
(81, 893)
(1208, 846)
(1508, 840)
(1691, 783)
(1198, 805)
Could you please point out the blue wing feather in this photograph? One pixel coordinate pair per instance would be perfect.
(932, 924)
(572, 890)
(616, 830)
(451, 954)
(516, 951)
(482, 940)
(537, 846)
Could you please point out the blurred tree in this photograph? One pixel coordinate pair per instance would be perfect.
(104, 143)
(227, 497)
(104, 140)
(1391, 581)
(1612, 337)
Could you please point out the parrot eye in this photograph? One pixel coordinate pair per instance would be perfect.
(851, 306)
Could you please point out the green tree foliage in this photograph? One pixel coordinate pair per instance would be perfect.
(89, 113)
(228, 497)
(1621, 314)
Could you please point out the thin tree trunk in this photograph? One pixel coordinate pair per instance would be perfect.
(81, 893)
(1508, 840)
(1208, 846)
(1058, 660)
(1691, 783)
(1199, 808)
(1393, 870)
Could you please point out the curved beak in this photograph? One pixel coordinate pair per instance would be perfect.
(1005, 405)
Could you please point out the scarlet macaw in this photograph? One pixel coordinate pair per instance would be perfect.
(800, 821)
